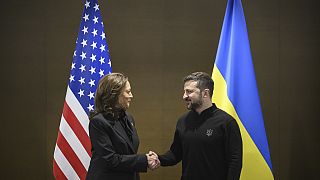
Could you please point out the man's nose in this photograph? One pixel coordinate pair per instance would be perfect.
(184, 96)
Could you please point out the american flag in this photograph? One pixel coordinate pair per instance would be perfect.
(91, 61)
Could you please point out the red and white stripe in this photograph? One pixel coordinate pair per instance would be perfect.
(73, 148)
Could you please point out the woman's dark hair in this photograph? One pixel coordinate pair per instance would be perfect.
(107, 94)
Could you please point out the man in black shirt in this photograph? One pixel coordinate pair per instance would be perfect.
(207, 140)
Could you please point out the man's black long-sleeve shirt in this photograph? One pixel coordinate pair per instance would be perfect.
(209, 145)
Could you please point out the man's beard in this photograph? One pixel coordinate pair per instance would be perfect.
(194, 105)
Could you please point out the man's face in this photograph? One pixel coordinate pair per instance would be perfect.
(192, 95)
(125, 96)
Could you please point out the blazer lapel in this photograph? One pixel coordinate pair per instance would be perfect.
(120, 131)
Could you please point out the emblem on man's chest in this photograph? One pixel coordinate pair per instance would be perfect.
(209, 132)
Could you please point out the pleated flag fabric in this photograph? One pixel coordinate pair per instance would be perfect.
(91, 61)
(235, 91)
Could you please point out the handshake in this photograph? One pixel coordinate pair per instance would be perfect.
(153, 160)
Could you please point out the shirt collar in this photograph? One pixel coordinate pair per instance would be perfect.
(207, 112)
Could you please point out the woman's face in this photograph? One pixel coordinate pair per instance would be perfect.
(125, 96)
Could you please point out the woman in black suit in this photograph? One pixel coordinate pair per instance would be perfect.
(113, 136)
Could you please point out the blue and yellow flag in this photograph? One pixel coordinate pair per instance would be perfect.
(236, 92)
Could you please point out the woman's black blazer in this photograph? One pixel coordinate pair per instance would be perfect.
(114, 153)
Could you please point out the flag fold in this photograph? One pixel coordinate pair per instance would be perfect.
(236, 92)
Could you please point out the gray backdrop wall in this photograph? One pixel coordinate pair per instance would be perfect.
(156, 43)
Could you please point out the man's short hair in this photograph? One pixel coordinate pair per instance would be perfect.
(203, 80)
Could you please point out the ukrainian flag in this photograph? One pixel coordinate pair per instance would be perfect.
(236, 92)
